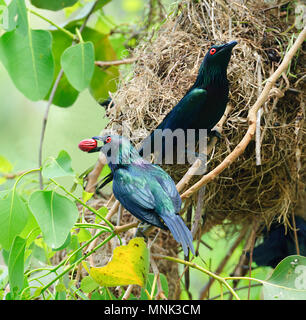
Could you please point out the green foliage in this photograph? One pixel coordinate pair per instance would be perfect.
(288, 280)
(5, 167)
(16, 264)
(55, 215)
(78, 64)
(54, 4)
(13, 218)
(58, 167)
(26, 54)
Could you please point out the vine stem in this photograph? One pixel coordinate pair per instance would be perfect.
(55, 86)
(68, 33)
(77, 262)
(84, 204)
(195, 266)
(44, 125)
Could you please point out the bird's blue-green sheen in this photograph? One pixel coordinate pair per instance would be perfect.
(145, 189)
(204, 103)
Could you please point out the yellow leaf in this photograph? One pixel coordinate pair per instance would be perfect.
(129, 265)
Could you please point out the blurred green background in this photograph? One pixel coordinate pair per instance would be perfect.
(21, 119)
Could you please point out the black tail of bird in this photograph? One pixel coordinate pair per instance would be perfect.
(180, 232)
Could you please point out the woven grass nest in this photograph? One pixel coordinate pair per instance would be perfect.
(167, 66)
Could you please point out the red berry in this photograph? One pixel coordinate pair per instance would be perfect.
(87, 144)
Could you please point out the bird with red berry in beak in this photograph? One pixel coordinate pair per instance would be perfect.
(143, 188)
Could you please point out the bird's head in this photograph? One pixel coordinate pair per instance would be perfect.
(219, 55)
(118, 150)
(216, 61)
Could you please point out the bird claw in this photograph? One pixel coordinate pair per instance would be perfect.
(142, 230)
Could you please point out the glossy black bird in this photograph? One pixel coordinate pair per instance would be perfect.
(278, 244)
(204, 103)
(144, 189)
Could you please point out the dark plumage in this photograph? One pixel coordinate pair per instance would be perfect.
(145, 189)
(277, 244)
(204, 103)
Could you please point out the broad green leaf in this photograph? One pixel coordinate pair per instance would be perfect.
(31, 229)
(55, 215)
(129, 265)
(78, 64)
(59, 167)
(88, 284)
(104, 295)
(102, 81)
(65, 244)
(16, 264)
(15, 15)
(13, 218)
(65, 95)
(28, 60)
(87, 196)
(288, 280)
(54, 5)
(5, 167)
(83, 235)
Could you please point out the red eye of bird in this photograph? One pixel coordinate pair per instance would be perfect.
(108, 140)
(212, 51)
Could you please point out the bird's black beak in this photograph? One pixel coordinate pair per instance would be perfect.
(96, 149)
(229, 46)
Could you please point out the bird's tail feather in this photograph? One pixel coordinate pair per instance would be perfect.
(180, 232)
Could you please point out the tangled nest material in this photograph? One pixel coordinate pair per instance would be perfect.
(167, 66)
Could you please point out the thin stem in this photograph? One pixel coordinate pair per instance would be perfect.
(79, 35)
(44, 125)
(54, 88)
(195, 266)
(84, 204)
(68, 33)
(77, 262)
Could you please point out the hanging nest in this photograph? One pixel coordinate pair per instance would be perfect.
(168, 65)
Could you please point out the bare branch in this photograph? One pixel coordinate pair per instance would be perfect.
(103, 64)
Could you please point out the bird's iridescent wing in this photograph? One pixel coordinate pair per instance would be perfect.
(134, 193)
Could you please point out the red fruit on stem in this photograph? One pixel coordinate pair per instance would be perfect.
(87, 144)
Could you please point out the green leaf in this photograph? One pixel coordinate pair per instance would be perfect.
(13, 218)
(104, 295)
(78, 64)
(288, 280)
(59, 167)
(54, 5)
(15, 15)
(65, 244)
(135, 259)
(103, 80)
(55, 214)
(5, 167)
(88, 284)
(28, 60)
(83, 235)
(16, 264)
(65, 95)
